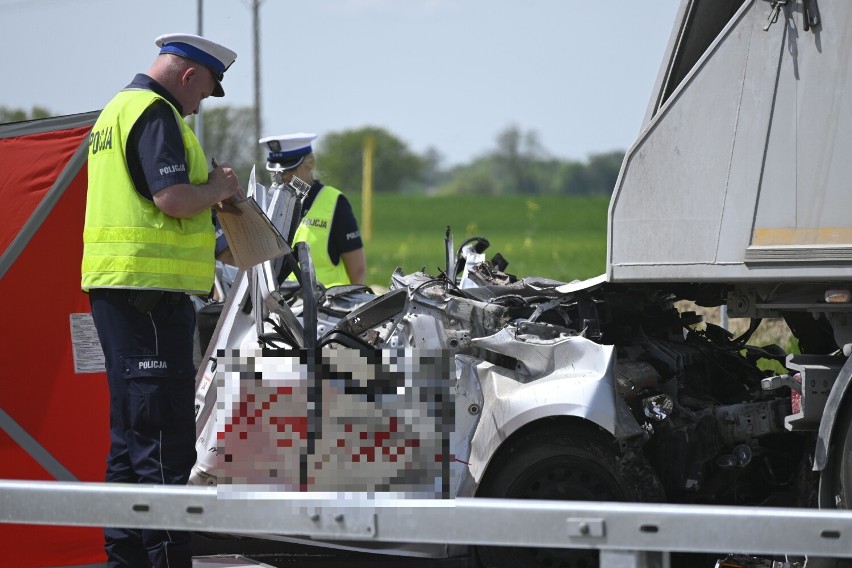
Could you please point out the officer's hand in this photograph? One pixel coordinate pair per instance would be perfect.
(229, 205)
(223, 180)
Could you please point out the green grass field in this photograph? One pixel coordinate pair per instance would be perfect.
(563, 238)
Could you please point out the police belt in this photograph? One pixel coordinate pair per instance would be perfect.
(145, 300)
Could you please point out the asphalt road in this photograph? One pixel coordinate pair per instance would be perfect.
(287, 555)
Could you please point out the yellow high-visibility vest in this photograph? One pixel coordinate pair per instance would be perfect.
(127, 241)
(315, 230)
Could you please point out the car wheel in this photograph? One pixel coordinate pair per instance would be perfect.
(577, 463)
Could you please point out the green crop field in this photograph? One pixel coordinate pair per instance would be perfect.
(563, 238)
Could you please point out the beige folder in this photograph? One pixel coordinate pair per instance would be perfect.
(251, 236)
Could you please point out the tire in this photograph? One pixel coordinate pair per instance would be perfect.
(839, 470)
(841, 462)
(567, 462)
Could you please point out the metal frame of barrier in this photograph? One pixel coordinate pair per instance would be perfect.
(629, 535)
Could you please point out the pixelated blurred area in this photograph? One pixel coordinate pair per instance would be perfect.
(335, 419)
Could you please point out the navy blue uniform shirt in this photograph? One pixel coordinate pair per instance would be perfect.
(157, 142)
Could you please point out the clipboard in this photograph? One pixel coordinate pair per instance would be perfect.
(252, 237)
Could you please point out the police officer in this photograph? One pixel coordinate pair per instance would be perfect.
(328, 224)
(149, 241)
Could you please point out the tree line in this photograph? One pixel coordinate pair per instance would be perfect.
(518, 164)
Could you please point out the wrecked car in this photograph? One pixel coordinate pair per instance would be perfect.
(474, 382)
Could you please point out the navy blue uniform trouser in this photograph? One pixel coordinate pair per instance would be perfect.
(152, 424)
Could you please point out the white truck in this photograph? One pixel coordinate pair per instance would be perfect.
(474, 382)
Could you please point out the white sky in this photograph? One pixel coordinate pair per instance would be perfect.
(448, 74)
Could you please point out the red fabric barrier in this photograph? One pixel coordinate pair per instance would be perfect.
(64, 413)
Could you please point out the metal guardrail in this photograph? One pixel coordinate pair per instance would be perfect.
(627, 534)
